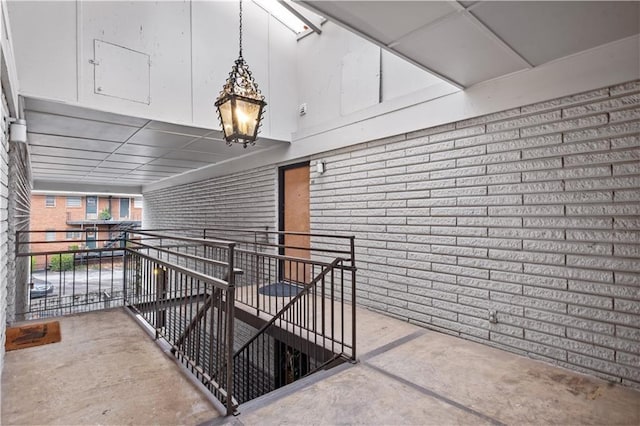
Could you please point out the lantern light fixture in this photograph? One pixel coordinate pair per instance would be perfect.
(240, 104)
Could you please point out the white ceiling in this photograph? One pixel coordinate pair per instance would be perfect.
(462, 42)
(469, 42)
(78, 145)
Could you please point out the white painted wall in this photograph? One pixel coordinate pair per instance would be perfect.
(192, 46)
(603, 66)
(334, 89)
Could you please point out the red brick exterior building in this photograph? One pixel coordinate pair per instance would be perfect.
(85, 221)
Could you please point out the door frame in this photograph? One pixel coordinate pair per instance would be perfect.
(281, 171)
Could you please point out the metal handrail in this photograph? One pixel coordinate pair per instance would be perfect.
(177, 253)
(217, 282)
(286, 307)
(186, 262)
(204, 241)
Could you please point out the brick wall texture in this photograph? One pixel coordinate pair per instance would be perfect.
(19, 209)
(239, 200)
(4, 223)
(533, 213)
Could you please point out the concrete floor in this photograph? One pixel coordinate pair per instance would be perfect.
(409, 375)
(106, 370)
(406, 375)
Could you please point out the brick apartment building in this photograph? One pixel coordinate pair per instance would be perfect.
(88, 221)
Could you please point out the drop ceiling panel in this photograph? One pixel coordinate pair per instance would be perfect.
(158, 168)
(378, 18)
(69, 153)
(178, 163)
(144, 150)
(63, 167)
(148, 173)
(160, 139)
(544, 31)
(460, 49)
(72, 143)
(137, 181)
(44, 170)
(77, 127)
(119, 165)
(195, 156)
(212, 146)
(108, 173)
(176, 128)
(35, 158)
(130, 158)
(58, 177)
(39, 105)
(488, 39)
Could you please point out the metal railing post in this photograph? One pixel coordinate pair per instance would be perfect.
(353, 297)
(125, 261)
(230, 328)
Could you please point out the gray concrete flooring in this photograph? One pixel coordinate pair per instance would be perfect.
(106, 370)
(409, 375)
(406, 375)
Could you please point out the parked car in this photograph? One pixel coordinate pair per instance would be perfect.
(39, 288)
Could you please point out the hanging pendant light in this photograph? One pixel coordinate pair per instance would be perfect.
(240, 104)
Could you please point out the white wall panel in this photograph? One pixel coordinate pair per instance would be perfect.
(44, 39)
(282, 111)
(191, 45)
(402, 78)
(160, 30)
(360, 79)
(323, 79)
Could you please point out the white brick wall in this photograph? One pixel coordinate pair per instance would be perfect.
(532, 212)
(4, 224)
(19, 209)
(241, 200)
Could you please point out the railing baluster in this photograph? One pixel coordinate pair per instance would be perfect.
(194, 309)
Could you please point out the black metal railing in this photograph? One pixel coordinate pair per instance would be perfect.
(65, 276)
(245, 315)
(293, 315)
(190, 310)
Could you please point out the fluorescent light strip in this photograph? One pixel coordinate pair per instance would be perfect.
(283, 15)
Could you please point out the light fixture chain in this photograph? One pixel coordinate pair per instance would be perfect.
(240, 28)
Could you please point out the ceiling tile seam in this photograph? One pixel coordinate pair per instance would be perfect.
(161, 156)
(72, 137)
(498, 40)
(340, 23)
(196, 140)
(186, 148)
(432, 24)
(80, 118)
(121, 145)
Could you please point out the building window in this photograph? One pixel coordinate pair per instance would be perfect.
(50, 201)
(74, 234)
(124, 208)
(137, 203)
(74, 202)
(50, 236)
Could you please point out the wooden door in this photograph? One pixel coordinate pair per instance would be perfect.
(296, 218)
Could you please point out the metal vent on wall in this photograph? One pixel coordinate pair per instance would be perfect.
(121, 72)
